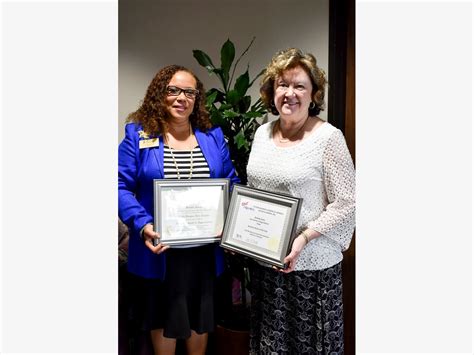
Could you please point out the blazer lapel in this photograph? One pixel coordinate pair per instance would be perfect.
(206, 150)
(158, 155)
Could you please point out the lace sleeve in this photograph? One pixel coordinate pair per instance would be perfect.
(337, 221)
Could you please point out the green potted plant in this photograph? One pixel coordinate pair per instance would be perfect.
(229, 105)
(231, 108)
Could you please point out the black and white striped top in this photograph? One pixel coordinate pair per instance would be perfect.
(183, 160)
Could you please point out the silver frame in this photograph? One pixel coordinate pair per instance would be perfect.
(228, 238)
(161, 184)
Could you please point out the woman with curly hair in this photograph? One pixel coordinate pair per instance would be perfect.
(170, 136)
(298, 310)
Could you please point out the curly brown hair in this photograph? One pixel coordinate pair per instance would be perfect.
(152, 113)
(288, 59)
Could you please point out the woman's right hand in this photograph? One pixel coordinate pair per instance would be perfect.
(149, 235)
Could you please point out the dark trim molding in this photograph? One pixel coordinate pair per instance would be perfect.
(338, 22)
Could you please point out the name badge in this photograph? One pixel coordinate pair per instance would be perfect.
(149, 143)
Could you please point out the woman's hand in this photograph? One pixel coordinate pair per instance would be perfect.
(149, 235)
(298, 244)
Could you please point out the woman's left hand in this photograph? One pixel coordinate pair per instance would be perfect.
(298, 244)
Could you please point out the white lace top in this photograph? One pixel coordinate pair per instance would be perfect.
(320, 170)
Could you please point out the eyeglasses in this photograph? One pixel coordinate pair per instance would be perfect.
(284, 88)
(176, 91)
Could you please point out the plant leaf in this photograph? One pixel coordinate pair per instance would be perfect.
(221, 76)
(242, 84)
(244, 103)
(233, 97)
(241, 141)
(225, 106)
(227, 57)
(253, 114)
(203, 59)
(230, 114)
(217, 119)
(220, 95)
(211, 98)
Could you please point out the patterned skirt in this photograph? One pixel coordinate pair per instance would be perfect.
(296, 313)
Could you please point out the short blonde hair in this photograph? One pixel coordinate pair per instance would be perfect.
(289, 59)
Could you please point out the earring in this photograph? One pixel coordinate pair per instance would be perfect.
(312, 105)
(273, 109)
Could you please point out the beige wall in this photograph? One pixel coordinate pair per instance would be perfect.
(155, 33)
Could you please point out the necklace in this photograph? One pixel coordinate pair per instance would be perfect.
(286, 140)
(174, 159)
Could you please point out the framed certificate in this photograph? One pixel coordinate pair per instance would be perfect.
(190, 211)
(261, 224)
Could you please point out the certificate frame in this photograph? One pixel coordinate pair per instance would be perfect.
(252, 214)
(190, 211)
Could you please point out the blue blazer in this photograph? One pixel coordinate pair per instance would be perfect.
(136, 170)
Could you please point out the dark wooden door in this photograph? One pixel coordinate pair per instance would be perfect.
(341, 113)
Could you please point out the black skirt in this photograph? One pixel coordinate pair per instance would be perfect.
(296, 313)
(184, 301)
